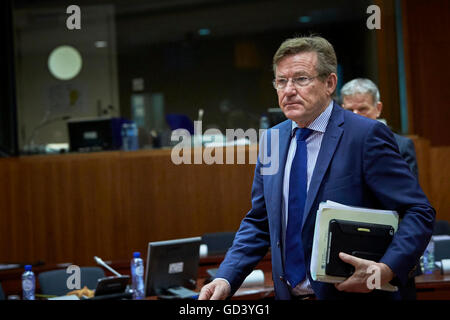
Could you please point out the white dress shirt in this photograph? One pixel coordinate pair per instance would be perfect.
(313, 143)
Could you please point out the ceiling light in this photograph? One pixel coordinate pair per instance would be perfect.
(304, 19)
(101, 44)
(65, 62)
(204, 32)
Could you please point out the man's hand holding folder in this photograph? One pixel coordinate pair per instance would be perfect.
(347, 257)
(361, 279)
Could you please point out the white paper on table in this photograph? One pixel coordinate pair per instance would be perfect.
(255, 278)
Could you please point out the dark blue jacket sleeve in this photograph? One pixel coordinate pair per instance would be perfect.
(252, 240)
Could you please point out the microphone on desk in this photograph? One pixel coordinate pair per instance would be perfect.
(103, 264)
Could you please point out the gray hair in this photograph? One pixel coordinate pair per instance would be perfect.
(361, 85)
(326, 56)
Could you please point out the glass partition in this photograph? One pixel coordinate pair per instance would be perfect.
(163, 65)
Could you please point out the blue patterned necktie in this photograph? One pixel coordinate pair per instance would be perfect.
(295, 262)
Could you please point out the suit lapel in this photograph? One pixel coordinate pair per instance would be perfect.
(330, 141)
(275, 181)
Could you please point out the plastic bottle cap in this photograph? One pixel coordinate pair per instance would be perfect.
(136, 254)
(28, 267)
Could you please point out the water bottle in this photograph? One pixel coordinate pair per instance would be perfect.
(264, 122)
(28, 283)
(137, 276)
(427, 259)
(129, 133)
(124, 135)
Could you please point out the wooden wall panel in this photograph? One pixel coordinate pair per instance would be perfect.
(440, 181)
(69, 208)
(388, 64)
(434, 175)
(426, 26)
(423, 150)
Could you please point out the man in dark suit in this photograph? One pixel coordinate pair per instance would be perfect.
(322, 152)
(363, 97)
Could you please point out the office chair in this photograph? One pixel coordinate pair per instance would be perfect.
(442, 245)
(2, 294)
(218, 242)
(441, 227)
(54, 282)
(180, 121)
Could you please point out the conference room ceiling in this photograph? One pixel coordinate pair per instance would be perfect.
(150, 22)
(144, 22)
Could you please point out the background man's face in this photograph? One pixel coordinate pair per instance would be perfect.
(362, 104)
(303, 104)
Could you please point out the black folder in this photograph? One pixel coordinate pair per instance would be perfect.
(363, 240)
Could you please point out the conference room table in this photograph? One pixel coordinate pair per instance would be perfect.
(10, 279)
(434, 286)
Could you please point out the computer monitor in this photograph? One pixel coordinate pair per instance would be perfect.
(95, 134)
(112, 286)
(172, 264)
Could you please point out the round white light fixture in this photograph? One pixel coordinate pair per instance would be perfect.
(65, 62)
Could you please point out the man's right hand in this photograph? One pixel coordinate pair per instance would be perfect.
(218, 289)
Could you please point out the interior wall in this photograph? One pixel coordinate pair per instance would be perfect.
(388, 83)
(69, 208)
(426, 26)
(40, 96)
(230, 78)
(8, 121)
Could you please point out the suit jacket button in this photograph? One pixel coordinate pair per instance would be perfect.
(281, 278)
(278, 244)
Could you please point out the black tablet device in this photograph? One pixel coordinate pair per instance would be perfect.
(364, 240)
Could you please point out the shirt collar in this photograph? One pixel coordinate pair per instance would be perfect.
(320, 123)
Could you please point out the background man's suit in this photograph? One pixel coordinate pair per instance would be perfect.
(358, 164)
(407, 151)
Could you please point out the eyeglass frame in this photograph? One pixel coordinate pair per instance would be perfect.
(294, 83)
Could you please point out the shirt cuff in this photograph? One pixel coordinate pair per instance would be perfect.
(229, 285)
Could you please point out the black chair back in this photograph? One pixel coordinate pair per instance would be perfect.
(218, 242)
(2, 294)
(441, 227)
(54, 282)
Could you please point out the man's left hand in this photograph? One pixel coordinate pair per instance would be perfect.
(359, 281)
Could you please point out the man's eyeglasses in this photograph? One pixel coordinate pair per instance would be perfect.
(281, 83)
